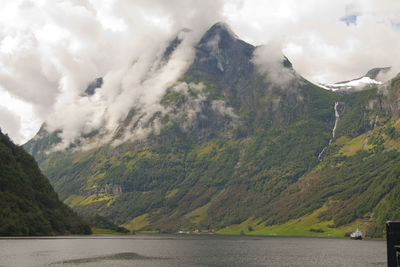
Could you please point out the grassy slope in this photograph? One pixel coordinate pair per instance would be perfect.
(308, 225)
(103, 231)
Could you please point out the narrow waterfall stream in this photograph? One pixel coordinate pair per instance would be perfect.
(333, 131)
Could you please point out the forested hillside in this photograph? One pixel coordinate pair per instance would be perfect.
(28, 203)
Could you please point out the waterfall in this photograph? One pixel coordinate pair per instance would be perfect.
(333, 131)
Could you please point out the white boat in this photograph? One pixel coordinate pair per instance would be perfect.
(356, 235)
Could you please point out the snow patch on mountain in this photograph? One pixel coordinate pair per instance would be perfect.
(353, 84)
(374, 77)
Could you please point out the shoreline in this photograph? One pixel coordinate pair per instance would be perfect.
(169, 235)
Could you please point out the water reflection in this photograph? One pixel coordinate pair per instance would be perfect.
(126, 256)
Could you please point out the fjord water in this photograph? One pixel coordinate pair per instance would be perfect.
(188, 250)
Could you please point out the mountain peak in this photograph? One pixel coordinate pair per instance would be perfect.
(222, 26)
(220, 31)
(373, 73)
(219, 48)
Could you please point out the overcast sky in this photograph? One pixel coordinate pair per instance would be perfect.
(51, 49)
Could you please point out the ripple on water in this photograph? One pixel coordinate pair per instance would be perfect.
(125, 256)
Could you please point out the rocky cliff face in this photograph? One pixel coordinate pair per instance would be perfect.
(111, 189)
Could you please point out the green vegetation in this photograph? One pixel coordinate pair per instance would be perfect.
(238, 153)
(101, 225)
(103, 231)
(139, 222)
(309, 225)
(184, 184)
(28, 203)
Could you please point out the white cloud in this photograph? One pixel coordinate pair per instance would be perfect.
(10, 123)
(50, 50)
(17, 118)
(331, 50)
(269, 62)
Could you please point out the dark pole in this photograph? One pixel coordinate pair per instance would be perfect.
(392, 240)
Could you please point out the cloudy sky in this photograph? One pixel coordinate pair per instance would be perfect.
(50, 50)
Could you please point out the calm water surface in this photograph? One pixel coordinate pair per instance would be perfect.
(174, 250)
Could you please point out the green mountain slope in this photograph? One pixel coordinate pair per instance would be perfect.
(28, 203)
(238, 151)
(356, 183)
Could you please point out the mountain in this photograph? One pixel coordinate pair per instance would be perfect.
(370, 79)
(242, 143)
(357, 180)
(29, 205)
